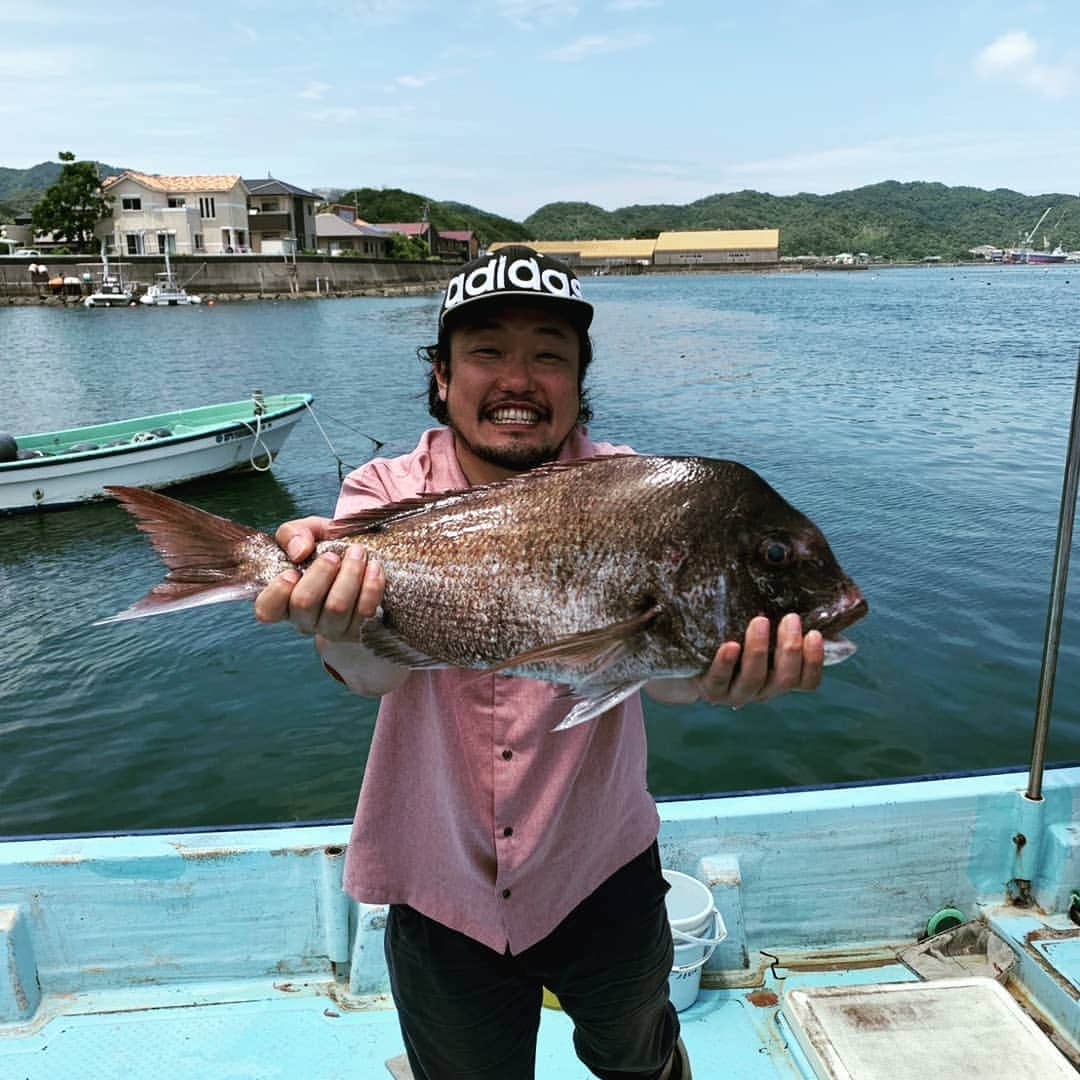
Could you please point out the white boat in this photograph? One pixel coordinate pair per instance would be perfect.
(63, 468)
(111, 290)
(165, 292)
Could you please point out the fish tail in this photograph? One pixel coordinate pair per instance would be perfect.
(210, 559)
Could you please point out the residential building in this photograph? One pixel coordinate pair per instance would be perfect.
(188, 215)
(457, 244)
(335, 235)
(281, 217)
(422, 229)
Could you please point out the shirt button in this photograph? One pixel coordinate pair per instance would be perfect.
(507, 755)
(506, 894)
(508, 831)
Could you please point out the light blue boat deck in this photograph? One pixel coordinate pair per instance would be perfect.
(236, 954)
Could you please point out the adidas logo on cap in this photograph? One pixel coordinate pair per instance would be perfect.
(517, 270)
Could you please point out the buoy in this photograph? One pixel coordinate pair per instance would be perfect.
(209, 303)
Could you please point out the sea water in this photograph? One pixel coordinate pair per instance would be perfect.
(919, 416)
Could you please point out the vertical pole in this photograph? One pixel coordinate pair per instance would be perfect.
(1052, 640)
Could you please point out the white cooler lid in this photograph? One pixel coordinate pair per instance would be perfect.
(962, 1029)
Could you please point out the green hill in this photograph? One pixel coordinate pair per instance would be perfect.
(20, 189)
(393, 204)
(891, 219)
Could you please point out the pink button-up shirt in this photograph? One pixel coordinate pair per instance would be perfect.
(472, 810)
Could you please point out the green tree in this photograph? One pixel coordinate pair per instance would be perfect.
(407, 247)
(72, 206)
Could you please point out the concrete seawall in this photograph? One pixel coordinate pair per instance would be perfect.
(228, 277)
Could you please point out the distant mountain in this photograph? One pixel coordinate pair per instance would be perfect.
(393, 204)
(20, 189)
(891, 219)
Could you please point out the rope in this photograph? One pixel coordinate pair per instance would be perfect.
(257, 432)
(343, 466)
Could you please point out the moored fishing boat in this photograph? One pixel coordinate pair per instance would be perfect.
(111, 290)
(60, 468)
(166, 292)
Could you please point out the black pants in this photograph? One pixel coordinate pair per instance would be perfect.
(469, 1013)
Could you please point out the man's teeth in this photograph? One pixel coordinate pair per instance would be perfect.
(513, 416)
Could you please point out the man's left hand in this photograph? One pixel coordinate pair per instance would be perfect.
(796, 665)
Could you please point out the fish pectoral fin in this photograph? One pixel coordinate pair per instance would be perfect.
(602, 699)
(598, 648)
(384, 643)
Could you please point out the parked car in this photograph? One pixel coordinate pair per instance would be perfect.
(28, 251)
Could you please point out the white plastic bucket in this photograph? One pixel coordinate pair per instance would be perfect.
(696, 928)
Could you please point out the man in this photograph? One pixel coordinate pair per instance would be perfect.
(513, 857)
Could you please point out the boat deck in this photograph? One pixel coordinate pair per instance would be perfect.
(288, 1030)
(224, 954)
(282, 1028)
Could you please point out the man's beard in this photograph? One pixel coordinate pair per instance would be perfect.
(515, 459)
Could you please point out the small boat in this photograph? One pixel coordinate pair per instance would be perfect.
(62, 468)
(111, 290)
(165, 292)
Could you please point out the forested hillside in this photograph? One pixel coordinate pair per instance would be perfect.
(393, 204)
(20, 189)
(891, 219)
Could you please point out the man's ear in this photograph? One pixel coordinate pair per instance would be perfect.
(442, 376)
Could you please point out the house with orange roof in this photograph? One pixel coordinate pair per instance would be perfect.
(187, 215)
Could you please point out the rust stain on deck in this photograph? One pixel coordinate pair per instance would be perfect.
(762, 998)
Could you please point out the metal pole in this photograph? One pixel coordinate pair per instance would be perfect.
(1057, 600)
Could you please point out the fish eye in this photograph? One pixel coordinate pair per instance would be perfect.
(776, 552)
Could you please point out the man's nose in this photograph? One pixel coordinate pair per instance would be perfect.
(516, 371)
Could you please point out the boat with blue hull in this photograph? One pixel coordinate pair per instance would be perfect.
(58, 469)
(237, 953)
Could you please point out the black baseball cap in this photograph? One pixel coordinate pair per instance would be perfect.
(517, 272)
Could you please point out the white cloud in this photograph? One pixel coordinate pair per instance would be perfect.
(31, 64)
(632, 5)
(341, 114)
(527, 14)
(346, 113)
(314, 90)
(597, 44)
(414, 82)
(1015, 57)
(247, 31)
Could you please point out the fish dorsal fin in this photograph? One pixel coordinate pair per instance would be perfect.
(377, 518)
(384, 643)
(598, 648)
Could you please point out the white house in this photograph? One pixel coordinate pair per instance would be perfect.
(187, 214)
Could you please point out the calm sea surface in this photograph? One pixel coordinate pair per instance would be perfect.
(919, 416)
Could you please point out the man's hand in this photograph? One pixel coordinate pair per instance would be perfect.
(333, 597)
(797, 664)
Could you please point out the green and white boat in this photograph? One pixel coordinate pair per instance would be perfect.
(56, 469)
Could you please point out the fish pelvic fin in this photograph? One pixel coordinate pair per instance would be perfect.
(383, 642)
(597, 649)
(210, 559)
(604, 698)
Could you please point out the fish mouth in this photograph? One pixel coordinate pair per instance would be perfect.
(829, 621)
(517, 413)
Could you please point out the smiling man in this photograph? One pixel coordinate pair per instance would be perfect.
(512, 857)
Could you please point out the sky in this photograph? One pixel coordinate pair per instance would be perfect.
(510, 104)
